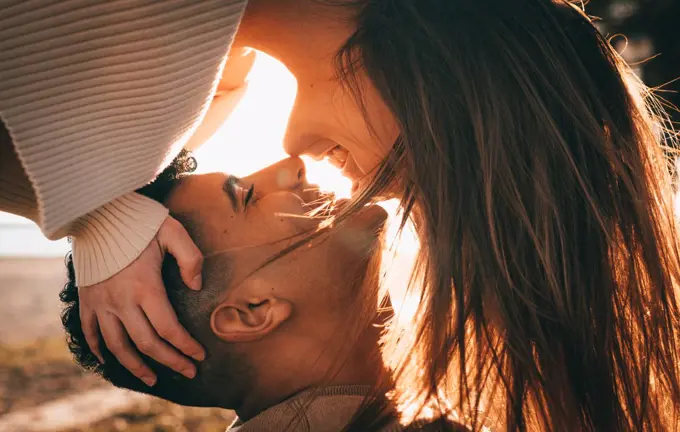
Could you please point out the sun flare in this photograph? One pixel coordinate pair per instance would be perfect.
(244, 131)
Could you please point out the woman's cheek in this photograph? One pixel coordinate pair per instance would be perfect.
(368, 157)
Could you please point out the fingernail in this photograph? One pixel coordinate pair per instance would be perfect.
(150, 381)
(197, 282)
(199, 356)
(189, 373)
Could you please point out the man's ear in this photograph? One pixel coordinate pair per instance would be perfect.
(236, 321)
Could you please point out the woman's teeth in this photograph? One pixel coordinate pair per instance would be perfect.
(337, 156)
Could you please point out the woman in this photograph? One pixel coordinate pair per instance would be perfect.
(529, 158)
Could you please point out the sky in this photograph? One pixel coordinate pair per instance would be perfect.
(232, 138)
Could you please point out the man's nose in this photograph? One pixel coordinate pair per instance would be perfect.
(288, 174)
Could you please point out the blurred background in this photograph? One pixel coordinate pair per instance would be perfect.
(40, 387)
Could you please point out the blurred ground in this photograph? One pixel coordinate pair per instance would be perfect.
(36, 367)
(29, 299)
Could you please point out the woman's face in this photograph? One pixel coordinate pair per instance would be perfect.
(326, 120)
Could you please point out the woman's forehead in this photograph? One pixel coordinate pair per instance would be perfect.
(296, 19)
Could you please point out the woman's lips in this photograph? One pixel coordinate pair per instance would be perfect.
(337, 156)
(342, 159)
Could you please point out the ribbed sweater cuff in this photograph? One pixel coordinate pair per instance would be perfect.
(110, 238)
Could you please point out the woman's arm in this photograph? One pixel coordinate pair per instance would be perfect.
(96, 98)
(16, 192)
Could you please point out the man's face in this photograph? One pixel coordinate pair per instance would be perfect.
(264, 322)
(252, 226)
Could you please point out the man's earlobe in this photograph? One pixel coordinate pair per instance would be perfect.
(247, 322)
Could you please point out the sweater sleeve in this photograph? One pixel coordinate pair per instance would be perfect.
(16, 192)
(98, 97)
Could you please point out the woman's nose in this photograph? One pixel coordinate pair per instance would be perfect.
(288, 174)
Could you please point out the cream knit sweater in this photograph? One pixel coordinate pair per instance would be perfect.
(98, 96)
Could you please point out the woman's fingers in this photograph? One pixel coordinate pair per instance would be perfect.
(174, 239)
(149, 343)
(117, 342)
(88, 321)
(135, 302)
(239, 64)
(164, 320)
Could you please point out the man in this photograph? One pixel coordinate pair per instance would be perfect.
(272, 330)
(288, 310)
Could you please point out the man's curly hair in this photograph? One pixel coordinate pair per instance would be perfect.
(170, 384)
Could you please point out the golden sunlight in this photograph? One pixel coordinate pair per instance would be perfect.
(243, 132)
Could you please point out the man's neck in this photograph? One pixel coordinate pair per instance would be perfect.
(362, 367)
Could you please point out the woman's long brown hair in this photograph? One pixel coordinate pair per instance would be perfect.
(530, 159)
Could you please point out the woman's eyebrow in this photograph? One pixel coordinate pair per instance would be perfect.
(228, 188)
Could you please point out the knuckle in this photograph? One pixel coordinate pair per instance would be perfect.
(171, 222)
(178, 365)
(197, 259)
(168, 333)
(146, 346)
(141, 295)
(137, 369)
(146, 293)
(170, 225)
(116, 306)
(151, 295)
(116, 301)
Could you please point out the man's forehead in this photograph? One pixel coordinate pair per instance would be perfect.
(220, 265)
(209, 239)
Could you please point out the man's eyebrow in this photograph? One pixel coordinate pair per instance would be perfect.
(228, 188)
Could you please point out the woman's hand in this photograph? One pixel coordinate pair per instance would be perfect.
(235, 74)
(133, 306)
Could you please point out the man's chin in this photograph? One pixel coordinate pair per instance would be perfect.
(372, 217)
(361, 233)
(361, 184)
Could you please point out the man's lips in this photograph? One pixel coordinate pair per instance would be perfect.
(313, 198)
